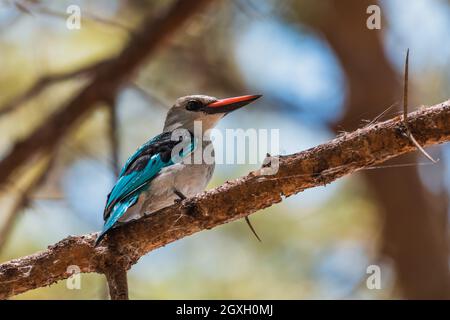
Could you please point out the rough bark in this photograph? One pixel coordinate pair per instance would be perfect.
(320, 165)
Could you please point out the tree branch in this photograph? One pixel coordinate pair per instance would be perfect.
(317, 166)
(116, 274)
(117, 284)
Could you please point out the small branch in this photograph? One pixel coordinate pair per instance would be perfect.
(116, 276)
(117, 284)
(149, 97)
(405, 111)
(42, 83)
(114, 135)
(31, 9)
(234, 200)
(405, 88)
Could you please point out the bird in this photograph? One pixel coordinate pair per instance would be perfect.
(159, 174)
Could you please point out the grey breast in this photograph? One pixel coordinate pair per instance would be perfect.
(188, 177)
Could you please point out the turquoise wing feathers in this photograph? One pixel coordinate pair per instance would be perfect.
(139, 170)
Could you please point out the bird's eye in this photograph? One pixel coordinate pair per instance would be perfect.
(193, 105)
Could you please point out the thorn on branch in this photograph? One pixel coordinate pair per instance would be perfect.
(114, 134)
(405, 111)
(247, 219)
(381, 115)
(115, 270)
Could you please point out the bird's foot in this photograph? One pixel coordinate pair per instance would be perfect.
(179, 194)
(190, 208)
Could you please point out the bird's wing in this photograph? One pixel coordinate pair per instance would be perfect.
(138, 171)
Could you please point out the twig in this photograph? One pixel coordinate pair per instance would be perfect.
(252, 229)
(405, 111)
(234, 200)
(114, 135)
(381, 115)
(42, 83)
(117, 284)
(150, 97)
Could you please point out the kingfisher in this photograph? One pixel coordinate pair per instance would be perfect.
(161, 172)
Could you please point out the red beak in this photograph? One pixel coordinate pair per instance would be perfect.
(230, 104)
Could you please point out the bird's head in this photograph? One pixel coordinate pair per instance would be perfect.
(208, 110)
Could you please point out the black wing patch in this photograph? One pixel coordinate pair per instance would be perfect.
(162, 144)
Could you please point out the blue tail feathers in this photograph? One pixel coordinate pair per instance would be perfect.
(117, 212)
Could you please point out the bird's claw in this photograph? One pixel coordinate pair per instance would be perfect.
(191, 209)
(177, 201)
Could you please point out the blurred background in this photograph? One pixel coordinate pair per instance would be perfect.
(321, 71)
